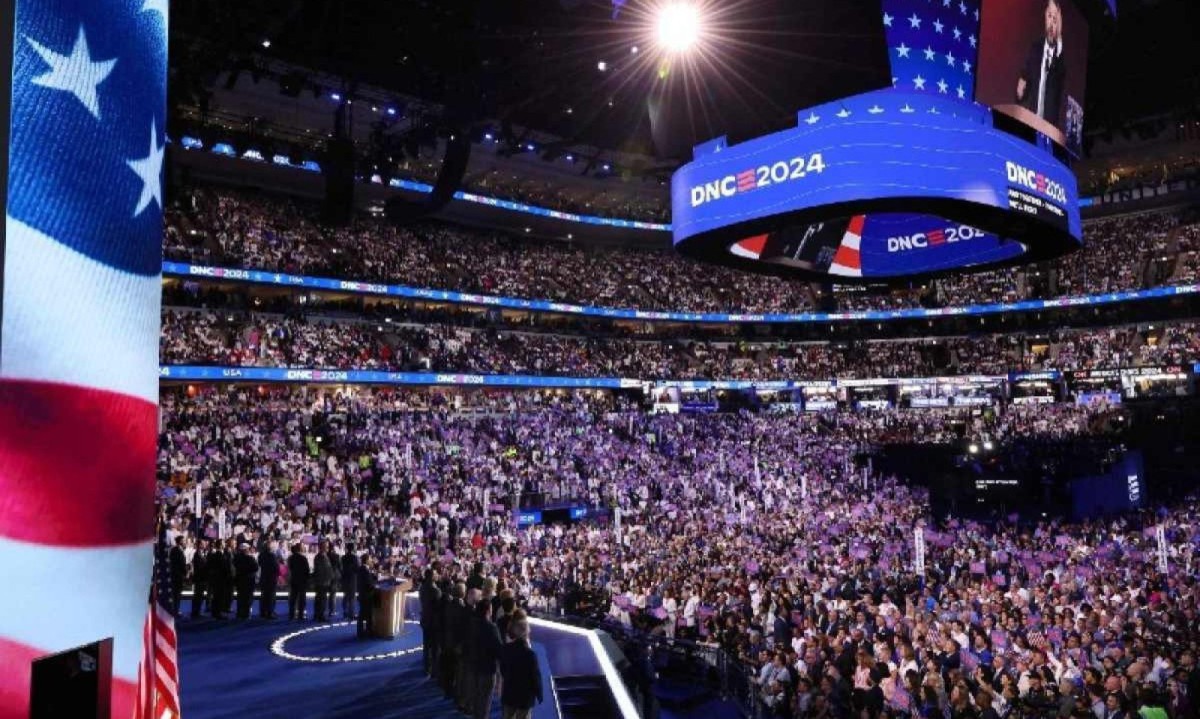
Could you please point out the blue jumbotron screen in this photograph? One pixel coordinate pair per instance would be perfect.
(885, 184)
(914, 180)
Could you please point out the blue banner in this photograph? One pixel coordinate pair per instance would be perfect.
(331, 376)
(183, 269)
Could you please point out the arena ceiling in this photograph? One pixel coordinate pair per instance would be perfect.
(534, 63)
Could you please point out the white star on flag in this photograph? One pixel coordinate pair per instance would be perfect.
(942, 86)
(149, 170)
(945, 3)
(929, 53)
(843, 113)
(812, 118)
(977, 14)
(950, 59)
(887, 20)
(74, 73)
(902, 51)
(914, 21)
(962, 7)
(966, 65)
(937, 26)
(957, 34)
(971, 38)
(961, 92)
(919, 82)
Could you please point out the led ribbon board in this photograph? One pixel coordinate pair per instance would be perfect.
(882, 185)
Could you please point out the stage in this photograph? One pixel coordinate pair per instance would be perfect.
(283, 669)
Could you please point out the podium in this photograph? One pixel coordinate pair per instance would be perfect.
(387, 621)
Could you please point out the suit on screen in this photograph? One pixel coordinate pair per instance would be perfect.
(1054, 103)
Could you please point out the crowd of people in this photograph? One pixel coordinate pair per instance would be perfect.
(784, 554)
(242, 229)
(239, 339)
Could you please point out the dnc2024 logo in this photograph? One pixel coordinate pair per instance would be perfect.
(756, 178)
(1036, 181)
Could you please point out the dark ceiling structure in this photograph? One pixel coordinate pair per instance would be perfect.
(535, 63)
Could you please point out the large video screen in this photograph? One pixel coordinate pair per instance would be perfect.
(1033, 65)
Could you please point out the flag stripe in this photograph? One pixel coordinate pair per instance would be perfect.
(67, 575)
(60, 322)
(76, 466)
(15, 674)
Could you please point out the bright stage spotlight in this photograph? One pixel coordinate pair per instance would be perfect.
(678, 27)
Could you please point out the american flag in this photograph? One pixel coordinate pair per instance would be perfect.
(933, 45)
(79, 334)
(158, 674)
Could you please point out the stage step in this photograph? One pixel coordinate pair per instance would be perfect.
(584, 697)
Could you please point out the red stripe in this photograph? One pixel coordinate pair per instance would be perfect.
(847, 257)
(15, 672)
(76, 465)
(166, 664)
(856, 225)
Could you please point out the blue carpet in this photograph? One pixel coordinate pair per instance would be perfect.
(229, 672)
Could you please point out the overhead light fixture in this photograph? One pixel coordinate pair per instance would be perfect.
(602, 66)
(266, 43)
(678, 27)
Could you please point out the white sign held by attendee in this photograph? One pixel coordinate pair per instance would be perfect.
(1160, 533)
(919, 550)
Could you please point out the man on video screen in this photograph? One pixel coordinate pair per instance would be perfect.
(1043, 80)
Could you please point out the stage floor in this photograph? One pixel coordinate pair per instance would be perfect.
(230, 672)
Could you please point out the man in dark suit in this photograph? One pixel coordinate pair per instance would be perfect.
(298, 572)
(245, 571)
(451, 615)
(268, 579)
(199, 577)
(475, 580)
(335, 561)
(366, 594)
(349, 570)
(520, 675)
(485, 655)
(430, 596)
(178, 562)
(1042, 85)
(220, 580)
(322, 580)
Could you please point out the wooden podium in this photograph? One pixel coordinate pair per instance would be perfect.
(387, 621)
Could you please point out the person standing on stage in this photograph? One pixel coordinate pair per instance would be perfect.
(430, 597)
(349, 571)
(486, 646)
(450, 617)
(367, 580)
(200, 578)
(245, 571)
(322, 579)
(335, 562)
(178, 562)
(520, 675)
(268, 579)
(219, 577)
(298, 573)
